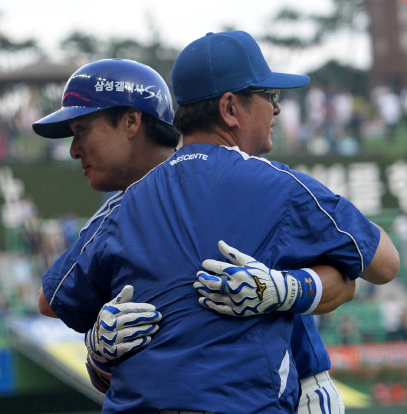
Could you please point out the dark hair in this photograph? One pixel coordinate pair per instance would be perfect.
(204, 115)
(159, 131)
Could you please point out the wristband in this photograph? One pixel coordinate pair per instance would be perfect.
(304, 291)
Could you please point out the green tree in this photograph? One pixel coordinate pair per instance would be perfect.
(79, 45)
(8, 45)
(350, 15)
(84, 48)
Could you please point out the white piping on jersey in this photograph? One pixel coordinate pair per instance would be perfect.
(246, 156)
(106, 206)
(83, 248)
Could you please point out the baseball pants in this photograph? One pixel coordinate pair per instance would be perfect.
(320, 396)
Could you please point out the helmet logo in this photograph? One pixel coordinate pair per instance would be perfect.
(152, 94)
(116, 86)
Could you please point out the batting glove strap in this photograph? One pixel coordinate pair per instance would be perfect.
(303, 291)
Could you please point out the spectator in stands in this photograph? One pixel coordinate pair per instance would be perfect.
(400, 228)
(388, 104)
(348, 329)
(290, 120)
(381, 393)
(316, 105)
(403, 329)
(392, 310)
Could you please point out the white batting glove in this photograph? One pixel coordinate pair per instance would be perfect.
(248, 287)
(121, 327)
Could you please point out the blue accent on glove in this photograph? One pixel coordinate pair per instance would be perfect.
(109, 341)
(113, 310)
(108, 327)
(223, 284)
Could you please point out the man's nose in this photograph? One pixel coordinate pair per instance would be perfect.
(75, 150)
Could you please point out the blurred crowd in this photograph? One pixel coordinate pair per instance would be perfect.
(390, 394)
(367, 319)
(19, 108)
(333, 120)
(31, 245)
(318, 120)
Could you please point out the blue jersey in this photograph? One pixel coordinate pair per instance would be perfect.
(64, 264)
(166, 225)
(309, 352)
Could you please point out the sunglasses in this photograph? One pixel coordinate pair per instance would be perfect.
(273, 95)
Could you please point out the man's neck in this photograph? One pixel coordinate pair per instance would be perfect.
(158, 156)
(148, 162)
(218, 137)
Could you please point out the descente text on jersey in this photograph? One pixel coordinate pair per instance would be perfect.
(189, 157)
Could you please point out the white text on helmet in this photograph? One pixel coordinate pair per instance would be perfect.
(110, 86)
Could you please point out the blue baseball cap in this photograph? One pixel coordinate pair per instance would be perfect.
(225, 62)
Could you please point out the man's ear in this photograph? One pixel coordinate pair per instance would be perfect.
(132, 120)
(229, 109)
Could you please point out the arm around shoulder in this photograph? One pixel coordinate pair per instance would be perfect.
(385, 263)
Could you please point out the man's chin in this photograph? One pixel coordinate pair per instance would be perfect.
(97, 186)
(105, 187)
(268, 148)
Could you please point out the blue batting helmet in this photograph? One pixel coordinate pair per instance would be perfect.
(104, 84)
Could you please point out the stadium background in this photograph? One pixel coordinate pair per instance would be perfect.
(348, 129)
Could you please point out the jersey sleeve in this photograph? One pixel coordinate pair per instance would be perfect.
(76, 285)
(323, 225)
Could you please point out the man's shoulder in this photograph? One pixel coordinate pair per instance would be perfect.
(107, 207)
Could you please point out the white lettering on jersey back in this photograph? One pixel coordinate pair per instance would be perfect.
(188, 157)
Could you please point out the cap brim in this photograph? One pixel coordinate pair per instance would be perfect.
(56, 124)
(279, 80)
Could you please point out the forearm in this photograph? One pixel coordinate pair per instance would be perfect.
(43, 305)
(337, 289)
(385, 264)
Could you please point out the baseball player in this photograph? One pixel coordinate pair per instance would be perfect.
(312, 360)
(131, 109)
(209, 183)
(375, 261)
(365, 257)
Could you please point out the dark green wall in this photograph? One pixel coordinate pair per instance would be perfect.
(58, 188)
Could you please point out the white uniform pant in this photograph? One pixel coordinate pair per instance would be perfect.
(320, 396)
